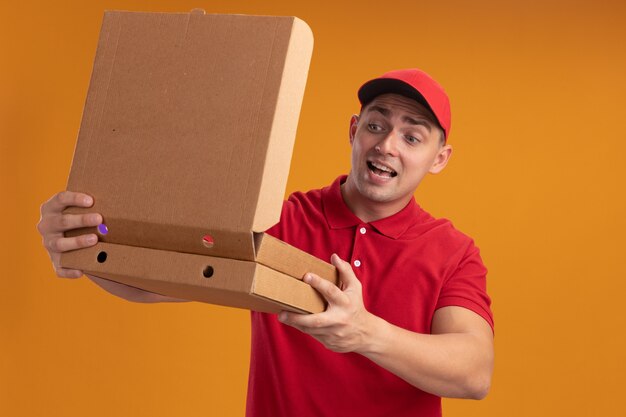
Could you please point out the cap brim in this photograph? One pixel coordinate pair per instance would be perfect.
(373, 88)
(378, 86)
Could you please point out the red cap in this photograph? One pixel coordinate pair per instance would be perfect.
(415, 84)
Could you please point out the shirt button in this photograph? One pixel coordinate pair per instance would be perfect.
(362, 230)
(357, 263)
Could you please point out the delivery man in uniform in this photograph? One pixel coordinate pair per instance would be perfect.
(411, 320)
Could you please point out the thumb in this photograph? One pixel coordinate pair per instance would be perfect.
(346, 274)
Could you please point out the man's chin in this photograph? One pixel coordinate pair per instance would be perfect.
(376, 193)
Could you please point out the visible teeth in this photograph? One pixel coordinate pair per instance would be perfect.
(381, 167)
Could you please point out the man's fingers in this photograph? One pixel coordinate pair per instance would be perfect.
(339, 263)
(63, 222)
(303, 322)
(68, 273)
(346, 274)
(65, 199)
(329, 291)
(289, 319)
(66, 222)
(53, 223)
(64, 244)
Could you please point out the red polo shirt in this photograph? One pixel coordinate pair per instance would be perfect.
(410, 264)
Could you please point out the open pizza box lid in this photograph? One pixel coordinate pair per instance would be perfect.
(187, 134)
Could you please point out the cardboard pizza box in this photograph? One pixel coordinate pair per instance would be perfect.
(185, 144)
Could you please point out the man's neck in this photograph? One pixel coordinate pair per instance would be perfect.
(366, 209)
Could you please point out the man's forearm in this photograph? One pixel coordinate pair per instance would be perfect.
(455, 365)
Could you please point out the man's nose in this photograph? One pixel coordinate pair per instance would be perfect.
(388, 144)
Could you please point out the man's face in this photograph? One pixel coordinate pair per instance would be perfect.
(395, 143)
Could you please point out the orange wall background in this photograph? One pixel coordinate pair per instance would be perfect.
(537, 90)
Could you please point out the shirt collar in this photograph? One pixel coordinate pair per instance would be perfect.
(339, 216)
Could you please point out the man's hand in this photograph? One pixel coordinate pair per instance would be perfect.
(344, 326)
(53, 223)
(456, 360)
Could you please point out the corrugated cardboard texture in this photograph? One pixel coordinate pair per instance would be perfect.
(188, 131)
(231, 282)
(282, 257)
(189, 126)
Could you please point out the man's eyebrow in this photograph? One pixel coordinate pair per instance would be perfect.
(421, 122)
(408, 119)
(379, 109)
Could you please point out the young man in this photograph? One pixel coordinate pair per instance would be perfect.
(411, 322)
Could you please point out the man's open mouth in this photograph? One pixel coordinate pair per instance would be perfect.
(381, 170)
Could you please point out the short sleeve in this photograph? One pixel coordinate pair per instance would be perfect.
(467, 286)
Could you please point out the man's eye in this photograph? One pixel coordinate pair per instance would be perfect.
(412, 139)
(374, 127)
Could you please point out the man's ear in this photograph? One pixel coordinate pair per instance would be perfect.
(441, 159)
(354, 124)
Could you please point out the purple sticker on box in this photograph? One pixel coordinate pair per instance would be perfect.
(103, 229)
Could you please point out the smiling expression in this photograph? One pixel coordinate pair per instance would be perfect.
(395, 143)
